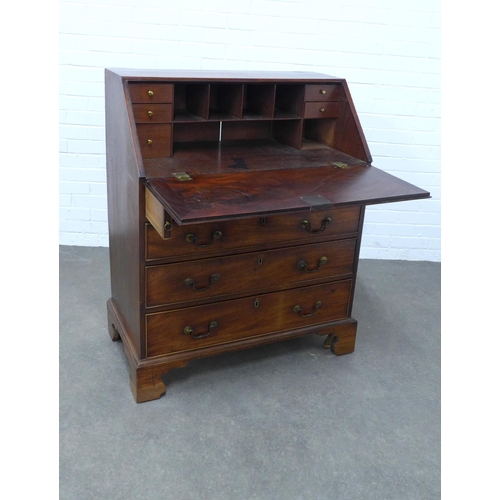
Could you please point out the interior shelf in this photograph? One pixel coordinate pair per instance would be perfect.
(227, 111)
(184, 116)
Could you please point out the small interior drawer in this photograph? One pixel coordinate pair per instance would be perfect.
(151, 92)
(321, 109)
(153, 113)
(155, 140)
(329, 92)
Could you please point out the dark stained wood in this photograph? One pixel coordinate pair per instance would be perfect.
(348, 135)
(289, 98)
(344, 337)
(197, 100)
(322, 92)
(262, 244)
(259, 100)
(153, 113)
(246, 234)
(201, 131)
(246, 130)
(288, 132)
(266, 155)
(125, 210)
(274, 313)
(319, 109)
(356, 257)
(271, 269)
(155, 140)
(225, 196)
(151, 92)
(226, 100)
(320, 132)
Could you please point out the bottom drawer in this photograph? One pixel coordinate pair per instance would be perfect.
(195, 327)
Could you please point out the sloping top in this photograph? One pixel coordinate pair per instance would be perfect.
(202, 75)
(225, 196)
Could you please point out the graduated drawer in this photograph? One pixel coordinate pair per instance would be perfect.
(321, 109)
(200, 279)
(151, 92)
(155, 140)
(153, 113)
(197, 240)
(319, 92)
(222, 322)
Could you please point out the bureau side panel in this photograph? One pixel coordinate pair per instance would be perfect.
(125, 207)
(356, 255)
(348, 134)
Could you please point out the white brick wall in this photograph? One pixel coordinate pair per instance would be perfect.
(388, 50)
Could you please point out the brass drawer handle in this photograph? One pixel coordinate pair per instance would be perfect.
(150, 93)
(213, 279)
(322, 92)
(322, 110)
(150, 114)
(297, 309)
(307, 225)
(188, 330)
(150, 141)
(192, 238)
(302, 265)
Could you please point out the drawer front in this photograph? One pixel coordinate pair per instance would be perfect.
(197, 240)
(201, 326)
(205, 278)
(155, 140)
(321, 109)
(153, 113)
(151, 92)
(315, 92)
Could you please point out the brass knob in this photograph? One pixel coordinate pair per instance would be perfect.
(323, 92)
(150, 93)
(150, 142)
(150, 113)
(322, 110)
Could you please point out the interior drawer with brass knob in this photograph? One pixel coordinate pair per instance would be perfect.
(222, 322)
(222, 276)
(155, 140)
(321, 109)
(151, 92)
(153, 113)
(322, 92)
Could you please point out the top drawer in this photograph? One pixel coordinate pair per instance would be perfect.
(200, 240)
(151, 92)
(328, 92)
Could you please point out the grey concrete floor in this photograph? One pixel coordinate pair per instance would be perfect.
(284, 421)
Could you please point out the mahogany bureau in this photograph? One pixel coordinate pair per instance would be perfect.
(235, 206)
